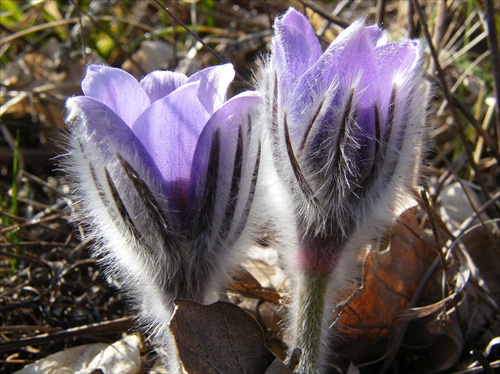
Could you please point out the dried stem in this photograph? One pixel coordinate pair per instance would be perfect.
(380, 12)
(200, 40)
(318, 9)
(489, 13)
(446, 92)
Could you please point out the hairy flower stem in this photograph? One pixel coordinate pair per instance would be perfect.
(310, 320)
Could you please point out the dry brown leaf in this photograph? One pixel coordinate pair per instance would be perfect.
(246, 284)
(123, 356)
(278, 367)
(218, 338)
(391, 279)
(486, 256)
(385, 317)
(42, 84)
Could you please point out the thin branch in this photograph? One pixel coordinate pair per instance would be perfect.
(380, 12)
(318, 9)
(108, 327)
(194, 35)
(412, 29)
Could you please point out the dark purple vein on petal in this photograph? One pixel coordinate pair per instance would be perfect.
(381, 149)
(235, 187)
(251, 195)
(274, 115)
(343, 127)
(402, 127)
(297, 171)
(249, 126)
(390, 123)
(202, 253)
(310, 125)
(375, 167)
(151, 206)
(206, 212)
(377, 132)
(122, 209)
(104, 198)
(98, 186)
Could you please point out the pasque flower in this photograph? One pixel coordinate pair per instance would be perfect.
(166, 171)
(346, 128)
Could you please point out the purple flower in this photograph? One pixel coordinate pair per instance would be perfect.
(166, 171)
(347, 132)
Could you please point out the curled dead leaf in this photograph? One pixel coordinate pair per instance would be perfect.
(391, 277)
(245, 284)
(402, 310)
(218, 338)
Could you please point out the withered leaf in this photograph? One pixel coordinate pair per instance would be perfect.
(391, 278)
(218, 338)
(278, 367)
(245, 284)
(402, 312)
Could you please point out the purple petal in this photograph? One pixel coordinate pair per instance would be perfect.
(394, 57)
(227, 120)
(213, 85)
(107, 144)
(346, 65)
(375, 34)
(169, 130)
(350, 52)
(109, 131)
(364, 135)
(391, 59)
(116, 89)
(296, 46)
(159, 84)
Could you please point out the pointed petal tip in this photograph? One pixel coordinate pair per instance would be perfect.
(161, 83)
(358, 29)
(217, 71)
(97, 72)
(73, 107)
(214, 83)
(116, 89)
(71, 101)
(292, 17)
(297, 20)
